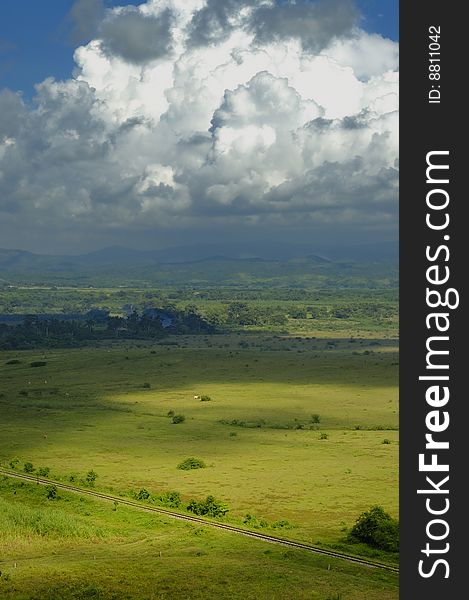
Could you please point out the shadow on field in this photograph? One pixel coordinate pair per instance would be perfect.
(86, 389)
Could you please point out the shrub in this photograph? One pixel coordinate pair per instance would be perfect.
(191, 463)
(210, 507)
(38, 363)
(170, 413)
(252, 521)
(170, 499)
(147, 386)
(315, 419)
(13, 361)
(178, 419)
(143, 494)
(91, 477)
(43, 471)
(323, 436)
(51, 492)
(205, 398)
(377, 528)
(14, 462)
(386, 441)
(282, 524)
(28, 467)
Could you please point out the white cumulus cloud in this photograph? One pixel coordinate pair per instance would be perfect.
(183, 111)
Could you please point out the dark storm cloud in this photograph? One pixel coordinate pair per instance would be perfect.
(213, 23)
(137, 38)
(314, 23)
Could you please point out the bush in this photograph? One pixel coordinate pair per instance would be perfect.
(38, 363)
(14, 462)
(205, 398)
(43, 471)
(282, 524)
(14, 361)
(378, 529)
(210, 507)
(91, 477)
(315, 419)
(252, 521)
(51, 492)
(147, 386)
(323, 436)
(170, 499)
(386, 441)
(28, 467)
(170, 413)
(143, 494)
(191, 463)
(178, 419)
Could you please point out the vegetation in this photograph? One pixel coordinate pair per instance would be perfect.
(178, 419)
(210, 507)
(378, 529)
(286, 365)
(51, 492)
(91, 477)
(74, 330)
(70, 548)
(191, 463)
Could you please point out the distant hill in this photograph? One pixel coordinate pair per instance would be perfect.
(359, 266)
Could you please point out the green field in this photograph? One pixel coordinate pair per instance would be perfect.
(86, 549)
(301, 433)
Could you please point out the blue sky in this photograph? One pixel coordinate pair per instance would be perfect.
(34, 40)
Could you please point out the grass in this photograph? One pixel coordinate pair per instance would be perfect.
(293, 437)
(87, 409)
(19, 521)
(150, 557)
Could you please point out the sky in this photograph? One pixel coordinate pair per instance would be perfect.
(157, 123)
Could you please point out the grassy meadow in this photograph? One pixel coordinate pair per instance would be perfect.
(79, 548)
(300, 432)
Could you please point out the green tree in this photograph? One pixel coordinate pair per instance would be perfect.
(377, 528)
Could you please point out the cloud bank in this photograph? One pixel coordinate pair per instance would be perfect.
(186, 114)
